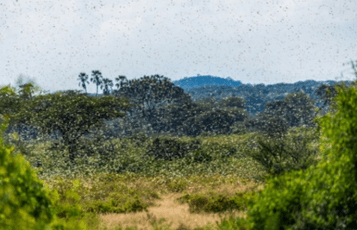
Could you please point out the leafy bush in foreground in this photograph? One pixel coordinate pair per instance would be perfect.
(322, 197)
(24, 202)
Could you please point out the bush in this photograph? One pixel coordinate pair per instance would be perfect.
(119, 203)
(25, 204)
(324, 196)
(291, 151)
(139, 139)
(200, 156)
(169, 148)
(95, 146)
(215, 202)
(24, 201)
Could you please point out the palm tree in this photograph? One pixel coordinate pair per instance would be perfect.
(105, 86)
(83, 78)
(96, 78)
(120, 79)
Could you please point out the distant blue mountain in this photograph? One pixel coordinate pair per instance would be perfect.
(205, 80)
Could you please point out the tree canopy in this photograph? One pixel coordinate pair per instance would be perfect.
(71, 113)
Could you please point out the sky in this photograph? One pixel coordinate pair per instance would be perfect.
(254, 41)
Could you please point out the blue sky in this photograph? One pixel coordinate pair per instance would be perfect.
(254, 41)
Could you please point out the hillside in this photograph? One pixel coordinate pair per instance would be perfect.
(255, 96)
(199, 81)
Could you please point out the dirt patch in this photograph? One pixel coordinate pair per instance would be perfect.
(165, 211)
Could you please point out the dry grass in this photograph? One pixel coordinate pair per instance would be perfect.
(165, 211)
(168, 211)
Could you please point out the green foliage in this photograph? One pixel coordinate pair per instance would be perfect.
(294, 110)
(200, 156)
(150, 92)
(174, 115)
(168, 149)
(9, 101)
(93, 156)
(87, 147)
(213, 121)
(298, 109)
(232, 223)
(326, 93)
(151, 96)
(119, 203)
(292, 151)
(233, 102)
(70, 113)
(20, 146)
(27, 87)
(177, 185)
(280, 204)
(322, 197)
(25, 204)
(67, 201)
(139, 139)
(23, 198)
(215, 202)
(221, 150)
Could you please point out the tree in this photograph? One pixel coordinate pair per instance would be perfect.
(71, 113)
(27, 87)
(300, 109)
(152, 96)
(296, 109)
(121, 81)
(172, 116)
(105, 86)
(233, 102)
(208, 102)
(323, 196)
(97, 78)
(26, 91)
(149, 93)
(83, 79)
(215, 121)
(327, 93)
(9, 101)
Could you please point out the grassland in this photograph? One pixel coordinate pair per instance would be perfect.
(123, 188)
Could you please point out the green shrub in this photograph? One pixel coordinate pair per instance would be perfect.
(232, 223)
(214, 202)
(220, 150)
(139, 139)
(324, 196)
(95, 146)
(200, 156)
(177, 185)
(67, 201)
(291, 151)
(169, 148)
(119, 203)
(24, 202)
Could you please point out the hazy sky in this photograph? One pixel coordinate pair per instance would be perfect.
(255, 41)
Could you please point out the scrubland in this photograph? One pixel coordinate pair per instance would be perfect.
(122, 184)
